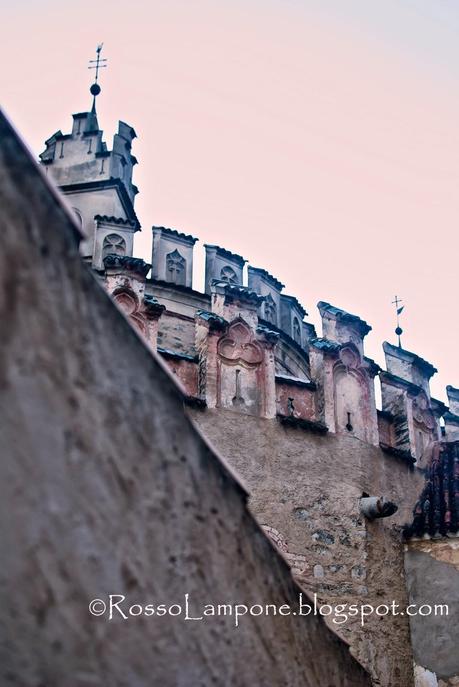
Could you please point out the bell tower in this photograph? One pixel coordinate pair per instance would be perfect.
(96, 181)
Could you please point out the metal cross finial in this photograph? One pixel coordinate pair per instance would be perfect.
(96, 64)
(398, 330)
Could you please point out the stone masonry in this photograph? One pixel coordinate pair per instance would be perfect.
(107, 487)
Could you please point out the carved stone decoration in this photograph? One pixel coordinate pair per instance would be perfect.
(239, 364)
(129, 303)
(113, 244)
(270, 310)
(238, 346)
(236, 362)
(350, 357)
(176, 267)
(142, 310)
(229, 275)
(353, 402)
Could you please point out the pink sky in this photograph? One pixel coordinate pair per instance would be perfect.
(317, 139)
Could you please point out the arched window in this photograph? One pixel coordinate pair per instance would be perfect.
(297, 330)
(113, 243)
(176, 267)
(229, 275)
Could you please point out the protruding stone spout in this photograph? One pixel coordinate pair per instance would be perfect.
(377, 507)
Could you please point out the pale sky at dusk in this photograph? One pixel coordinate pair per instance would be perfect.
(318, 139)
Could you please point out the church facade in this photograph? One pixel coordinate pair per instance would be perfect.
(363, 503)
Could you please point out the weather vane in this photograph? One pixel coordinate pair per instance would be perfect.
(96, 64)
(399, 310)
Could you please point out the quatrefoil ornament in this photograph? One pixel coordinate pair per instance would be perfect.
(238, 346)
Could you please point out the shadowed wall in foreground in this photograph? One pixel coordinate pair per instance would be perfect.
(107, 488)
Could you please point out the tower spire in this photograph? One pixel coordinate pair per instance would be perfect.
(399, 309)
(96, 64)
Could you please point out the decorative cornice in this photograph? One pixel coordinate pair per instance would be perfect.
(235, 292)
(295, 302)
(215, 322)
(451, 418)
(295, 381)
(115, 220)
(173, 233)
(177, 355)
(393, 380)
(396, 352)
(452, 393)
(267, 277)
(344, 317)
(438, 407)
(267, 333)
(372, 367)
(125, 262)
(226, 254)
(49, 141)
(153, 308)
(302, 423)
(131, 129)
(401, 453)
(325, 345)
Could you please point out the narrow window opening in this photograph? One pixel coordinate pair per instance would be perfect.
(349, 426)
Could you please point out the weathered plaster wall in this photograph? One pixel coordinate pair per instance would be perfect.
(295, 400)
(386, 429)
(186, 371)
(180, 300)
(106, 487)
(176, 333)
(106, 201)
(432, 577)
(305, 490)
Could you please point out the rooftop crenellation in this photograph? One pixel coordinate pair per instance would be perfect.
(334, 377)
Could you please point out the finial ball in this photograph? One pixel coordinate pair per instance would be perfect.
(95, 89)
(399, 331)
